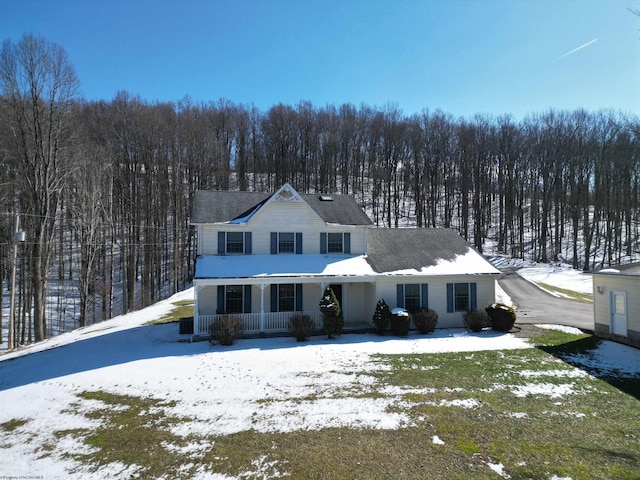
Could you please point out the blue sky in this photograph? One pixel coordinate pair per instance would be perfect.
(461, 56)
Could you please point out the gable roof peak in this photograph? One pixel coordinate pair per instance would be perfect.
(286, 193)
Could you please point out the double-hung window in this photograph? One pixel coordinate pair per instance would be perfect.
(413, 296)
(286, 297)
(234, 299)
(335, 242)
(234, 243)
(461, 297)
(286, 242)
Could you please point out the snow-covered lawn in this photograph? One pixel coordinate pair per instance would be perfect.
(264, 385)
(561, 277)
(222, 388)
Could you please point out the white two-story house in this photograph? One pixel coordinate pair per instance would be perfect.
(265, 256)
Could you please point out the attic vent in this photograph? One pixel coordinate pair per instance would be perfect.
(326, 198)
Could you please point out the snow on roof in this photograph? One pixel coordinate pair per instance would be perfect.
(245, 266)
(469, 263)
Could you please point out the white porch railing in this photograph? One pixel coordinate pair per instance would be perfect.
(273, 321)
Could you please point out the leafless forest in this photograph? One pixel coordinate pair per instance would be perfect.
(103, 189)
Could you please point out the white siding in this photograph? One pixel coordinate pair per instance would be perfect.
(280, 217)
(608, 283)
(208, 237)
(207, 302)
(357, 308)
(485, 294)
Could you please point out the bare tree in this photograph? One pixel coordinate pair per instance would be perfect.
(39, 84)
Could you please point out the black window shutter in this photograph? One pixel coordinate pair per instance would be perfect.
(299, 242)
(400, 295)
(220, 299)
(247, 243)
(449, 297)
(274, 298)
(424, 295)
(323, 242)
(347, 243)
(298, 297)
(473, 300)
(274, 243)
(247, 299)
(222, 243)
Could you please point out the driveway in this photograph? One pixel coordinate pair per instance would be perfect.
(534, 305)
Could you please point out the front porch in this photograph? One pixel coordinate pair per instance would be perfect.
(276, 325)
(266, 309)
(255, 323)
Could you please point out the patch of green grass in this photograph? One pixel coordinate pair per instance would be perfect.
(546, 337)
(183, 309)
(134, 432)
(13, 424)
(590, 430)
(531, 434)
(569, 294)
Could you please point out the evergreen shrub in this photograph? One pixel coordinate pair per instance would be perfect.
(502, 317)
(382, 317)
(331, 313)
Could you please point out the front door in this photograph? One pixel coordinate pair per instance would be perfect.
(337, 291)
(618, 308)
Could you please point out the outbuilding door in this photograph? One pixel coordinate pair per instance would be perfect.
(618, 307)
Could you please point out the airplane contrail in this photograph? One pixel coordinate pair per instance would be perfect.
(579, 48)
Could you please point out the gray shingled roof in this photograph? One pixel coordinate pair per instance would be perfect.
(222, 206)
(393, 249)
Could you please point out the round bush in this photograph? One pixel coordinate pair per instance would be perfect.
(476, 320)
(425, 320)
(226, 329)
(301, 326)
(502, 317)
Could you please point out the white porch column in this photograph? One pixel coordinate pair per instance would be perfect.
(262, 287)
(196, 313)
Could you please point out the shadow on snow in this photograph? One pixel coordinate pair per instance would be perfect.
(161, 341)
